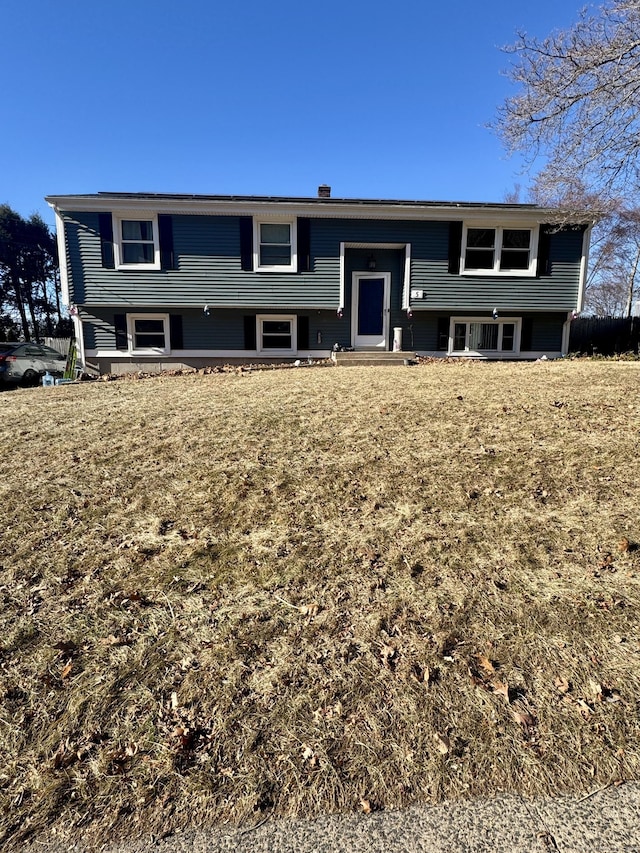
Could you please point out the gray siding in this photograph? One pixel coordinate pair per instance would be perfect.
(443, 291)
(222, 329)
(207, 253)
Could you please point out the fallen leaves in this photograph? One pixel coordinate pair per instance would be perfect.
(485, 664)
(501, 688)
(309, 756)
(365, 805)
(443, 744)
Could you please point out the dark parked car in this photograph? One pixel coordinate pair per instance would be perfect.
(26, 363)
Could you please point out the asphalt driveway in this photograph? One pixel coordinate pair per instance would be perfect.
(607, 821)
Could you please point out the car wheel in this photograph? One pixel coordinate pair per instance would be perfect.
(30, 378)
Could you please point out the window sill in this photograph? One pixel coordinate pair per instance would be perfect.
(499, 273)
(127, 267)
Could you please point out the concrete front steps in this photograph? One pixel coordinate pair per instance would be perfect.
(362, 357)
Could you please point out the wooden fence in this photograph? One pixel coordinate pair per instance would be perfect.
(605, 335)
(59, 344)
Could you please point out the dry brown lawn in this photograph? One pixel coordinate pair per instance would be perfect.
(286, 592)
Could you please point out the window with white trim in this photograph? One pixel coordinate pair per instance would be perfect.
(276, 334)
(474, 335)
(148, 333)
(499, 250)
(275, 245)
(136, 243)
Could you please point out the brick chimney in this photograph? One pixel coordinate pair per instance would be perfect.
(324, 191)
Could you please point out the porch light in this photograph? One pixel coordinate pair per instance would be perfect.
(339, 312)
(409, 313)
(206, 310)
(371, 263)
(495, 314)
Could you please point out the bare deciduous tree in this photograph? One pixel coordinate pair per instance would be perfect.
(615, 280)
(578, 104)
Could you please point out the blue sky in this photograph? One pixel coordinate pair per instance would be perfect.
(379, 100)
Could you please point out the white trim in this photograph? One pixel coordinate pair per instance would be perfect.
(198, 306)
(501, 321)
(291, 318)
(350, 244)
(406, 285)
(79, 335)
(177, 354)
(566, 333)
(291, 221)
(383, 343)
(584, 265)
(62, 258)
(523, 355)
(117, 218)
(131, 319)
(342, 282)
(326, 209)
(497, 249)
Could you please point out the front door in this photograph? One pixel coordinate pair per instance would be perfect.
(370, 310)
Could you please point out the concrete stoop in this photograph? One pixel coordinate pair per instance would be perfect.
(367, 357)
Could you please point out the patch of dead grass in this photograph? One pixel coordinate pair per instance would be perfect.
(231, 595)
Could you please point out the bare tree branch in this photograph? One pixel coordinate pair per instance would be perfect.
(578, 101)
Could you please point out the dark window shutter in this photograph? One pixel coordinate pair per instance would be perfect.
(443, 333)
(544, 245)
(120, 328)
(249, 332)
(165, 236)
(105, 224)
(246, 245)
(455, 247)
(175, 331)
(304, 244)
(526, 334)
(303, 333)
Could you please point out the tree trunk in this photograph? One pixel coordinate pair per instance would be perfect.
(20, 306)
(631, 284)
(47, 307)
(32, 312)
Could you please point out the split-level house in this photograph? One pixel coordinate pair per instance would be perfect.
(163, 280)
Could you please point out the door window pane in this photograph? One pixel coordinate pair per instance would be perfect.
(459, 336)
(508, 336)
(370, 306)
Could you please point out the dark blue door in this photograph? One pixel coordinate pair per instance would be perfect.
(370, 306)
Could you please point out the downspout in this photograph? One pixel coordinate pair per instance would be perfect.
(566, 333)
(584, 263)
(65, 284)
(341, 297)
(407, 278)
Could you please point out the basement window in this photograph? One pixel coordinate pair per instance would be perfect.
(148, 333)
(276, 335)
